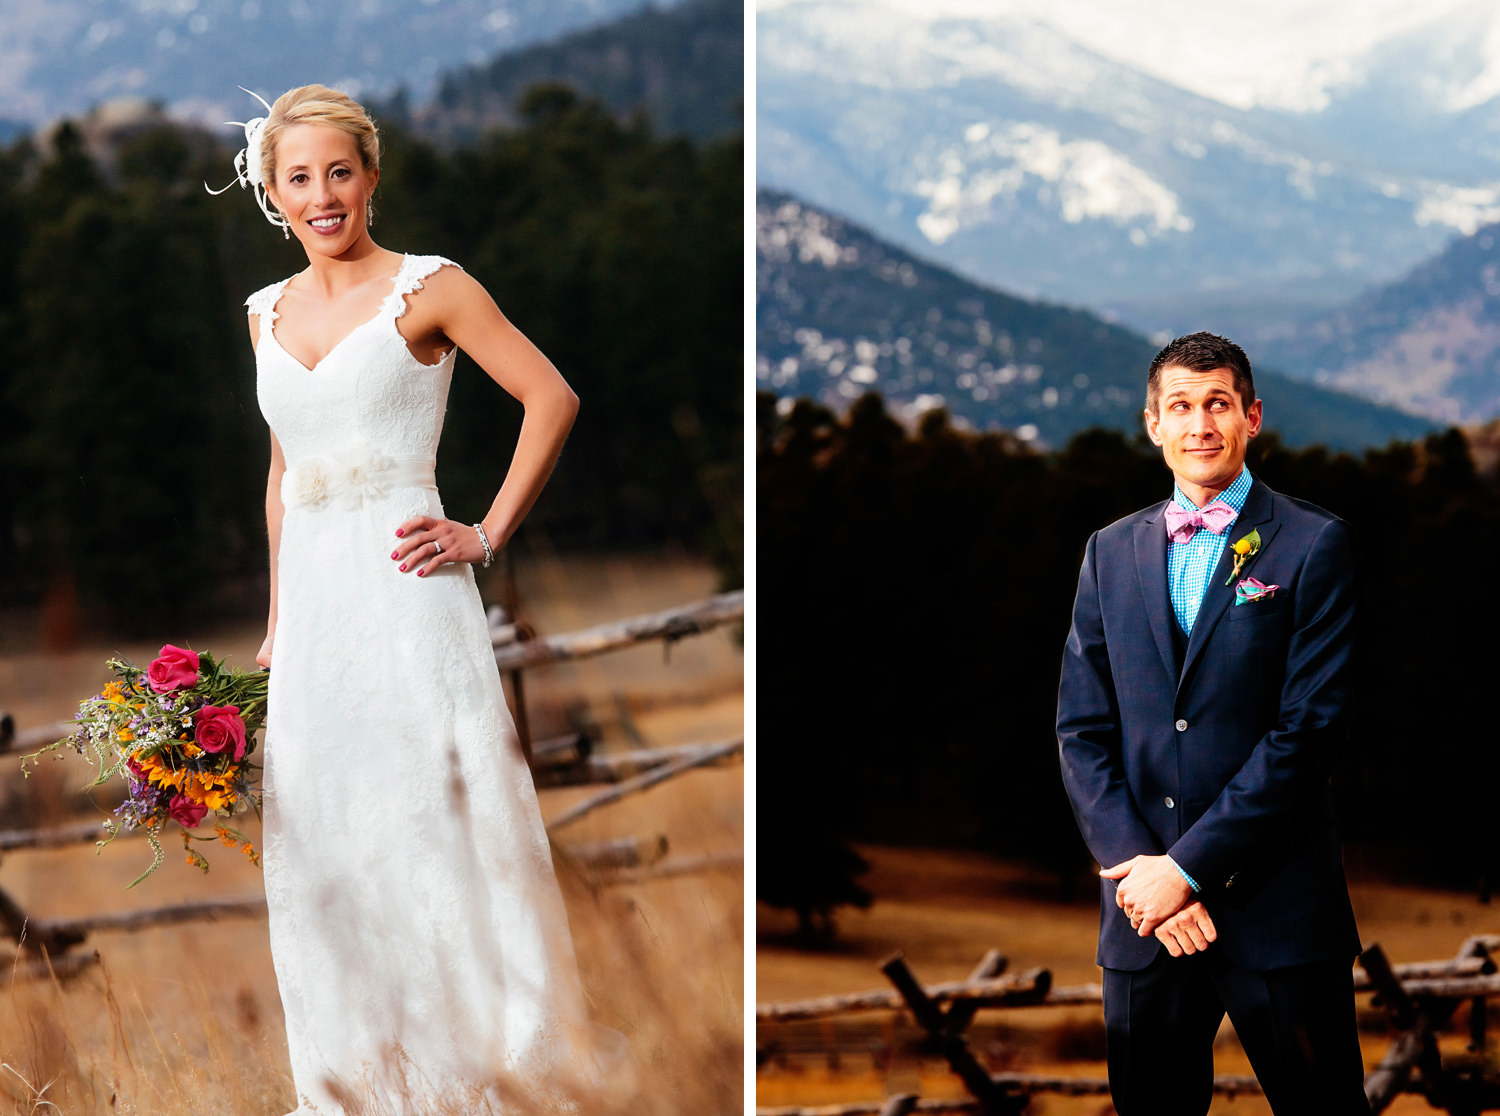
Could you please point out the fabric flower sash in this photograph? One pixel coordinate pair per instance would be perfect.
(352, 477)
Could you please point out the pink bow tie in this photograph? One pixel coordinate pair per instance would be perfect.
(1183, 523)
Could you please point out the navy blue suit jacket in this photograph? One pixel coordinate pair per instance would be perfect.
(1217, 749)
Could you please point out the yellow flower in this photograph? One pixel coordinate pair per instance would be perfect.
(1243, 546)
(206, 788)
(125, 734)
(160, 774)
(115, 691)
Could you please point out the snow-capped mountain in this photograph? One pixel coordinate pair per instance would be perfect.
(994, 139)
(840, 312)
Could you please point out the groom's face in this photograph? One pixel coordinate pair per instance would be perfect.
(1203, 429)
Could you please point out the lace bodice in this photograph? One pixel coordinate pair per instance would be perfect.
(369, 391)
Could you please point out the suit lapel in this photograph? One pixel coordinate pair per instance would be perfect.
(1258, 514)
(1151, 569)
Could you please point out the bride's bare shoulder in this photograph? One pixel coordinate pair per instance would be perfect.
(449, 293)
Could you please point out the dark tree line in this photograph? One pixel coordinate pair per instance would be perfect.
(916, 588)
(131, 443)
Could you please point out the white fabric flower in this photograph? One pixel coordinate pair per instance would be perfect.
(308, 484)
(368, 476)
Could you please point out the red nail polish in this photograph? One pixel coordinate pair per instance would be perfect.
(395, 554)
(403, 565)
(399, 532)
(421, 573)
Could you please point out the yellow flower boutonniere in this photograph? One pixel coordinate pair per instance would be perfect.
(1244, 549)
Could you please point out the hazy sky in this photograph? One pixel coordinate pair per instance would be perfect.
(1281, 53)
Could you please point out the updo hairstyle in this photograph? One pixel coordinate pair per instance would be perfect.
(317, 104)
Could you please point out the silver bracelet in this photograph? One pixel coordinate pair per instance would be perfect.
(489, 555)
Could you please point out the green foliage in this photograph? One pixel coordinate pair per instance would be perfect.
(133, 447)
(130, 447)
(918, 588)
(618, 255)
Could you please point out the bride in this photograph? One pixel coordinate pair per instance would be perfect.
(419, 938)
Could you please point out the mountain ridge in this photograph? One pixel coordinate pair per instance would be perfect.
(840, 312)
(683, 66)
(1428, 342)
(66, 56)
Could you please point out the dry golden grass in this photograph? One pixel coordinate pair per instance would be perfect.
(945, 909)
(186, 1020)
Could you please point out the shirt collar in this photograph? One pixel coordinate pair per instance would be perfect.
(1234, 495)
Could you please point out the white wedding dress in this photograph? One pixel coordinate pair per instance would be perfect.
(420, 941)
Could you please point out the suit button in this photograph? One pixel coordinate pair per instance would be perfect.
(1229, 882)
(1171, 804)
(1181, 725)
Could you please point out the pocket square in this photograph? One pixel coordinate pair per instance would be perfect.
(1250, 590)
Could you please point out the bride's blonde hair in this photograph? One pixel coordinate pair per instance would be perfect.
(317, 104)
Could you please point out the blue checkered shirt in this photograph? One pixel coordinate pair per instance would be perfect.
(1190, 564)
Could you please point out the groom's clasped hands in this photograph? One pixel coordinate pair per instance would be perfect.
(1158, 900)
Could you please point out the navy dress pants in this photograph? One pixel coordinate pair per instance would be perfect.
(1296, 1025)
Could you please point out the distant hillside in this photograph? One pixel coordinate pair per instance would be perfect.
(1428, 342)
(62, 57)
(840, 312)
(683, 67)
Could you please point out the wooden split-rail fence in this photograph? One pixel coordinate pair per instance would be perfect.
(47, 946)
(1420, 1000)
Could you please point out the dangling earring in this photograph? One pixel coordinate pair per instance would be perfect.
(286, 232)
(369, 215)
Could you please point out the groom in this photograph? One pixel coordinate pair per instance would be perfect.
(1204, 699)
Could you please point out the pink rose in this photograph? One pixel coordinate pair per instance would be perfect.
(216, 727)
(174, 669)
(185, 812)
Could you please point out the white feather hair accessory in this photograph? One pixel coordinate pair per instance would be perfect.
(247, 164)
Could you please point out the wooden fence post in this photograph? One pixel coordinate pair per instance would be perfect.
(993, 1099)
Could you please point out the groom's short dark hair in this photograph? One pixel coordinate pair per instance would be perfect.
(1202, 352)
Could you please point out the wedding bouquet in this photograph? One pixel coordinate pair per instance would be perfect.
(181, 732)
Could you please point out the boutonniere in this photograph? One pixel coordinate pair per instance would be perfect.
(1250, 590)
(1244, 550)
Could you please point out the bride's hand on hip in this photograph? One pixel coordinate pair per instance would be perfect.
(427, 543)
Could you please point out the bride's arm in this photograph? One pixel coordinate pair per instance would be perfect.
(274, 510)
(457, 307)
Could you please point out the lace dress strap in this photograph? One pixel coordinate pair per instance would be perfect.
(409, 280)
(263, 303)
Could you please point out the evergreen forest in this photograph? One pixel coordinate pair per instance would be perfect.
(131, 444)
(916, 588)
